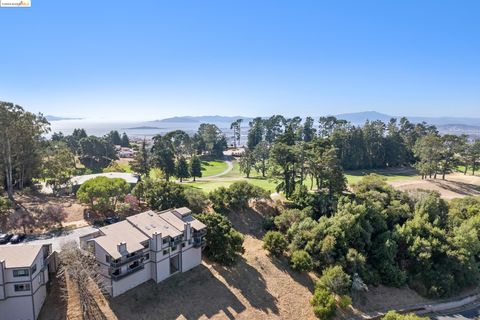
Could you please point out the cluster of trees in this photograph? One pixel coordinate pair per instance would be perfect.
(103, 194)
(289, 143)
(169, 152)
(443, 154)
(223, 243)
(20, 146)
(373, 145)
(114, 137)
(236, 196)
(292, 153)
(387, 236)
(95, 153)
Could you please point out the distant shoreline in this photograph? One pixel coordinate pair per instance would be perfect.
(143, 128)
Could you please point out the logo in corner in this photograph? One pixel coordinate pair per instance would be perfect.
(15, 3)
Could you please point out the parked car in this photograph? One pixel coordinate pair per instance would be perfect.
(5, 238)
(17, 238)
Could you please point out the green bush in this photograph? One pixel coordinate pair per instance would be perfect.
(335, 280)
(301, 261)
(344, 301)
(224, 243)
(161, 195)
(392, 315)
(236, 196)
(323, 303)
(275, 243)
(197, 200)
(102, 193)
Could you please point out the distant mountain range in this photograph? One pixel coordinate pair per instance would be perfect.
(356, 118)
(360, 118)
(201, 119)
(451, 125)
(55, 118)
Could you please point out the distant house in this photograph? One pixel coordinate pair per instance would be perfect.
(149, 245)
(24, 275)
(77, 181)
(126, 153)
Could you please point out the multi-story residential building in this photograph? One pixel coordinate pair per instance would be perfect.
(24, 277)
(149, 245)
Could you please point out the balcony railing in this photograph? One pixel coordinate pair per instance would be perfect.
(176, 242)
(127, 273)
(199, 242)
(200, 233)
(126, 260)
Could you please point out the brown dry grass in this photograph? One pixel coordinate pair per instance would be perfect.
(71, 206)
(257, 287)
(455, 185)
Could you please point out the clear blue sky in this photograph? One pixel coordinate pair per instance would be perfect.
(154, 59)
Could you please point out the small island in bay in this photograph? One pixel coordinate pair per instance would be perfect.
(142, 128)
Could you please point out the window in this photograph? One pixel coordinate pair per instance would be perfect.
(174, 248)
(21, 273)
(165, 240)
(34, 268)
(183, 244)
(107, 258)
(147, 256)
(165, 251)
(190, 241)
(146, 245)
(22, 287)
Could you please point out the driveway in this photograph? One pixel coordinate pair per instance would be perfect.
(58, 240)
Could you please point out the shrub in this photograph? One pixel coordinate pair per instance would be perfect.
(344, 301)
(224, 243)
(236, 196)
(301, 261)
(268, 223)
(275, 243)
(287, 218)
(323, 303)
(161, 195)
(103, 193)
(392, 315)
(197, 200)
(335, 280)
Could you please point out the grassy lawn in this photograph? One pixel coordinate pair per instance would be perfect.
(461, 169)
(211, 168)
(268, 184)
(353, 176)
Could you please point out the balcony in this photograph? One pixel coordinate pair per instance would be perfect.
(200, 233)
(176, 242)
(199, 242)
(120, 276)
(138, 255)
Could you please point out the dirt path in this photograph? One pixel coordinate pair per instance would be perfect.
(455, 185)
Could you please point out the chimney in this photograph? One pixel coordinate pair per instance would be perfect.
(122, 247)
(157, 241)
(188, 231)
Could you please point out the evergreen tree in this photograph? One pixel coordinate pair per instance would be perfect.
(195, 167)
(140, 163)
(182, 171)
(125, 141)
(114, 138)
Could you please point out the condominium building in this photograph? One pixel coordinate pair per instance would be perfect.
(149, 245)
(24, 278)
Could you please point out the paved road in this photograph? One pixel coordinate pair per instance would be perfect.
(469, 313)
(58, 241)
